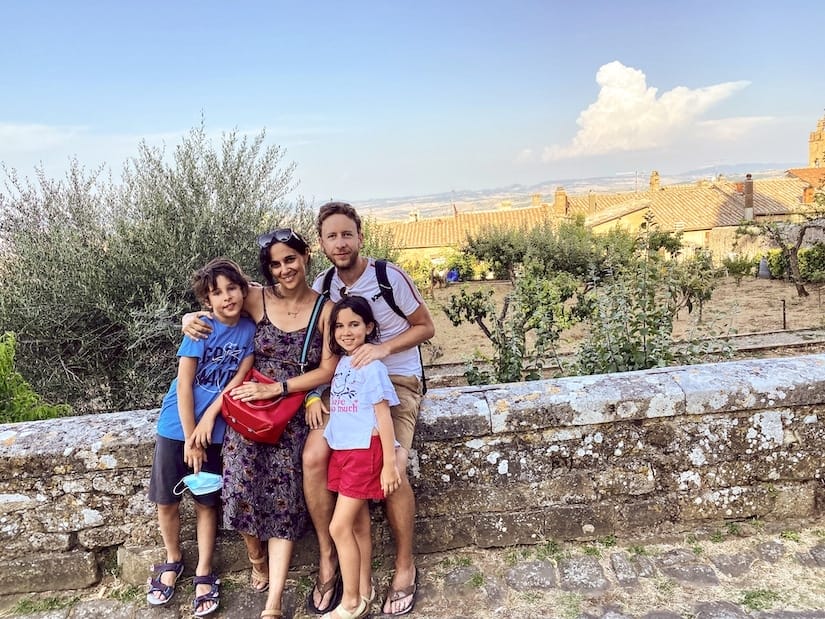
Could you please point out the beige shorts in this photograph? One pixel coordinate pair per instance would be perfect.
(405, 415)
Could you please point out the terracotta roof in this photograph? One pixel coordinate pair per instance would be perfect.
(815, 177)
(453, 231)
(698, 206)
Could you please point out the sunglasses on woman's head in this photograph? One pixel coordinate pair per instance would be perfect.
(281, 235)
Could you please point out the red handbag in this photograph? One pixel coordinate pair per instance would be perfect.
(265, 420)
(261, 420)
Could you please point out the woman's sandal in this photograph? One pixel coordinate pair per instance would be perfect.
(157, 586)
(271, 612)
(214, 595)
(259, 577)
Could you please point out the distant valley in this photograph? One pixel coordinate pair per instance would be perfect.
(519, 196)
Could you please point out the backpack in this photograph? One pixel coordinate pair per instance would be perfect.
(386, 292)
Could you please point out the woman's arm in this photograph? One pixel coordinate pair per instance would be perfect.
(303, 382)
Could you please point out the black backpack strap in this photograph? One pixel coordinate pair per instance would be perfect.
(327, 282)
(385, 288)
(313, 322)
(386, 292)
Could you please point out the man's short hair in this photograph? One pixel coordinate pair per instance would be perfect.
(337, 208)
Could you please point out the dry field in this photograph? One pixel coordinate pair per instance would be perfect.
(755, 306)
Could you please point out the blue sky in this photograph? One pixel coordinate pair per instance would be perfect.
(394, 98)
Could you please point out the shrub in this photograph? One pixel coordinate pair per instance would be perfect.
(778, 263)
(18, 401)
(739, 266)
(812, 262)
(522, 332)
(96, 276)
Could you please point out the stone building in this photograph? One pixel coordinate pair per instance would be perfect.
(816, 146)
(707, 212)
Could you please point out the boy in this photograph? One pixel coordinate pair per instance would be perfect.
(190, 416)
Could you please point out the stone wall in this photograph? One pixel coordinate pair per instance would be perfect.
(635, 455)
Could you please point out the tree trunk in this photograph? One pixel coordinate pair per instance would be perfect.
(793, 262)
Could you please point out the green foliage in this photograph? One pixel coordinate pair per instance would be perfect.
(31, 605)
(568, 248)
(467, 265)
(96, 276)
(739, 267)
(18, 402)
(777, 263)
(379, 241)
(631, 311)
(631, 321)
(419, 271)
(535, 307)
(696, 279)
(812, 262)
(501, 248)
(759, 599)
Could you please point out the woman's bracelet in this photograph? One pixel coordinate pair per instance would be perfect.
(308, 399)
(311, 400)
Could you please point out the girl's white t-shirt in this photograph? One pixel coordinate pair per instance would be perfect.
(353, 395)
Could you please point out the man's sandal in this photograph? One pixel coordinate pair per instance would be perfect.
(339, 612)
(158, 586)
(395, 595)
(259, 577)
(214, 595)
(334, 584)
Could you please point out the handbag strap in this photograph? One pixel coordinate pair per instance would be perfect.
(313, 321)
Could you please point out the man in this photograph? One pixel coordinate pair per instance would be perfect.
(339, 232)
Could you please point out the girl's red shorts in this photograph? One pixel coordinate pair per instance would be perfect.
(356, 473)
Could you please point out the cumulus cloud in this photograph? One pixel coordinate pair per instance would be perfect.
(629, 116)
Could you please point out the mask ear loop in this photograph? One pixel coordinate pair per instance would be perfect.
(175, 489)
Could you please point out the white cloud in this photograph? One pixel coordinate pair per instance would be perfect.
(628, 116)
(730, 129)
(525, 156)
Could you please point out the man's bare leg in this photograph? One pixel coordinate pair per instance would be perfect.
(401, 516)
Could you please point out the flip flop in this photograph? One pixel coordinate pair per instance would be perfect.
(335, 585)
(393, 595)
(214, 595)
(157, 586)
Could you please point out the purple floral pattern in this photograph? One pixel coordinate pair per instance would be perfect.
(263, 491)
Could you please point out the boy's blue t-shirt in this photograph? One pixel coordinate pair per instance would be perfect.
(219, 357)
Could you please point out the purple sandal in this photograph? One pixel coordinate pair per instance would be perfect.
(214, 595)
(157, 586)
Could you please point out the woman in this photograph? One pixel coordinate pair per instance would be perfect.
(263, 495)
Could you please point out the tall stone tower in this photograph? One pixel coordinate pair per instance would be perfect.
(816, 146)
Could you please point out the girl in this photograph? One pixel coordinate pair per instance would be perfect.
(362, 465)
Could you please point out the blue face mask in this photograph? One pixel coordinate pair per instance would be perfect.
(200, 483)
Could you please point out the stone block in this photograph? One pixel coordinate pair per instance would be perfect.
(568, 522)
(55, 571)
(531, 575)
(508, 528)
(444, 533)
(582, 575)
(453, 413)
